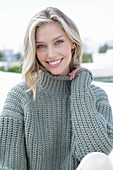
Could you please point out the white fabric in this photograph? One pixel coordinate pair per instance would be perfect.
(95, 161)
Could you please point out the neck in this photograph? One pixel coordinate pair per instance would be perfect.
(54, 84)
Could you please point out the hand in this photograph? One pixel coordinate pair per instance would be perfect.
(72, 74)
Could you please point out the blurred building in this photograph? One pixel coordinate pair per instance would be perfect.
(103, 58)
(8, 55)
(102, 66)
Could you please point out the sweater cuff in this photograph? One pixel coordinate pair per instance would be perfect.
(82, 80)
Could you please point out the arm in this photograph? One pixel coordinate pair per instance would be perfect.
(92, 130)
(12, 140)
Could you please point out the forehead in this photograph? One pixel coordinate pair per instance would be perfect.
(49, 30)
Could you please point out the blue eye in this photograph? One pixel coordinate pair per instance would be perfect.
(59, 42)
(41, 46)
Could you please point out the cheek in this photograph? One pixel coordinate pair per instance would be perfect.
(40, 56)
(67, 51)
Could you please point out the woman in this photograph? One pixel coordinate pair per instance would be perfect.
(56, 117)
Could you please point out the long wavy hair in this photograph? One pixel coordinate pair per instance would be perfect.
(31, 66)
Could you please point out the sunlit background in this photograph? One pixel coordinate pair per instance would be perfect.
(93, 18)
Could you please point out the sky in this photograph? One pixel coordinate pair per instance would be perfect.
(92, 17)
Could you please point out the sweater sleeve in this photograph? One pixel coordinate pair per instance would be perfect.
(12, 141)
(92, 123)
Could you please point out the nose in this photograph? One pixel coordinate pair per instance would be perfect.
(50, 52)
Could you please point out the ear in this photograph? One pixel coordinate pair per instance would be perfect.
(73, 45)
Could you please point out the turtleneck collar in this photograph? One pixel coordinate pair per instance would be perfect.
(53, 83)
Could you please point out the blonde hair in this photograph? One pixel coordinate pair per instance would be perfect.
(31, 67)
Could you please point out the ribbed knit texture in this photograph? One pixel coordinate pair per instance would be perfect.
(67, 120)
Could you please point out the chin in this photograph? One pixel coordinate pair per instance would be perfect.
(56, 73)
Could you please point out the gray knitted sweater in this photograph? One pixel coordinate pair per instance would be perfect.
(67, 120)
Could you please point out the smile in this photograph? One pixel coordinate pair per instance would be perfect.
(55, 63)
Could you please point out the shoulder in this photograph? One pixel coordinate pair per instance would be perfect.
(16, 100)
(20, 87)
(100, 94)
(19, 93)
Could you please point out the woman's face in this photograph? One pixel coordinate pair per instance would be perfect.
(53, 48)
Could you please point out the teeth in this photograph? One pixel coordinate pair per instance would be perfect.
(55, 62)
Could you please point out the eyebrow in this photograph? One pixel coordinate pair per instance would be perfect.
(52, 40)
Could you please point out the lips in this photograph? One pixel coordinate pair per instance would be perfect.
(54, 63)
